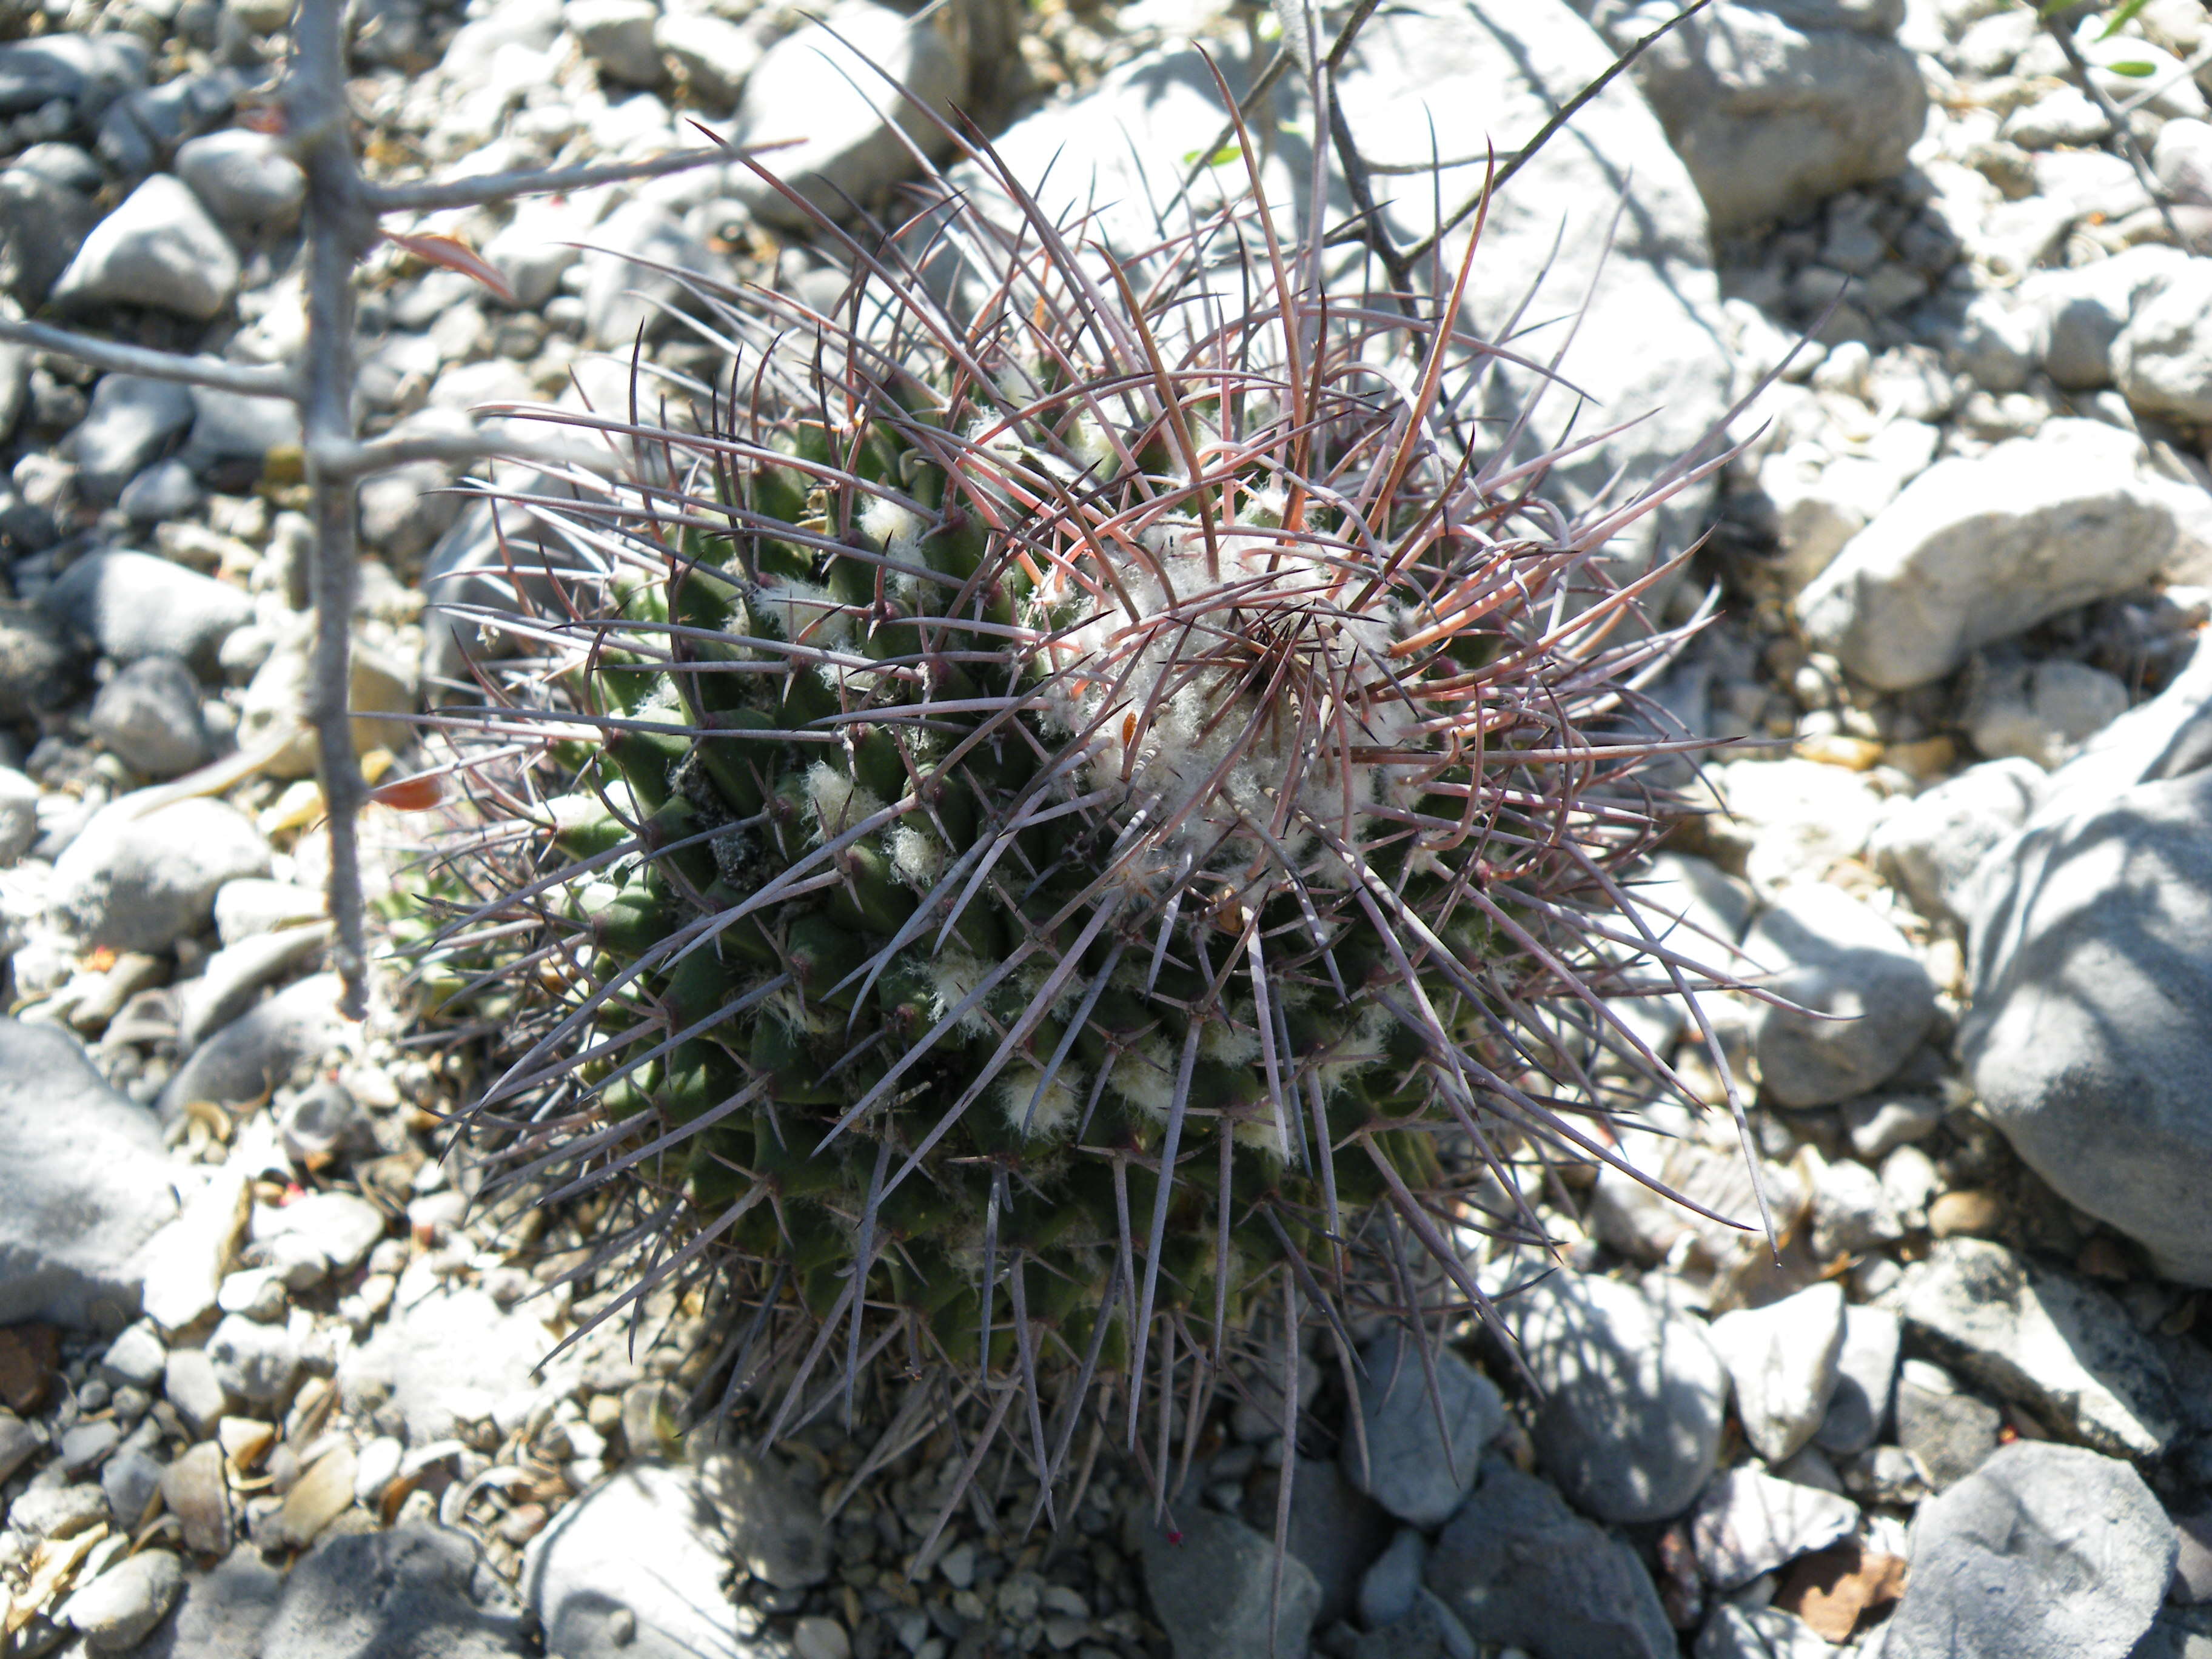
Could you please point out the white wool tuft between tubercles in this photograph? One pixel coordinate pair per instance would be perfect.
(1213, 771)
(836, 802)
(1056, 1108)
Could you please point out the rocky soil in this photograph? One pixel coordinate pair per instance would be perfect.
(275, 1381)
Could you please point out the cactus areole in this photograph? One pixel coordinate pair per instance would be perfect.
(1076, 798)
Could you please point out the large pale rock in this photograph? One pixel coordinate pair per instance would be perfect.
(1930, 848)
(645, 1543)
(1979, 550)
(2162, 359)
(134, 605)
(826, 86)
(1632, 1396)
(1423, 1447)
(159, 249)
(83, 1183)
(1445, 77)
(1775, 106)
(2091, 961)
(141, 880)
(1517, 1566)
(2045, 1552)
(2064, 1348)
(1868, 999)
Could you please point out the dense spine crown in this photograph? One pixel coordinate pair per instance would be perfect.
(1086, 800)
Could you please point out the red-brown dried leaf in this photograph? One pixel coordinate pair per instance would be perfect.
(454, 254)
(1832, 1588)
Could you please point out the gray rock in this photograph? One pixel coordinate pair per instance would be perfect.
(41, 662)
(141, 880)
(135, 605)
(117, 1609)
(244, 179)
(1734, 1632)
(774, 1527)
(19, 815)
(198, 1493)
(1851, 1212)
(1772, 113)
(57, 1511)
(2076, 1537)
(1834, 956)
(158, 249)
(1632, 1397)
(2159, 361)
(338, 1226)
(148, 717)
(2092, 999)
(1426, 1630)
(1999, 342)
(1423, 1447)
(443, 1353)
(253, 906)
(831, 92)
(85, 1447)
(2064, 1348)
(416, 1591)
(223, 1612)
(1748, 1523)
(62, 164)
(253, 1053)
(617, 36)
(1866, 1373)
(621, 294)
(2042, 712)
(88, 71)
(83, 1183)
(1336, 1530)
(163, 491)
(1389, 1588)
(19, 1443)
(2084, 310)
(1950, 1434)
(255, 1363)
(235, 973)
(43, 226)
(1782, 1359)
(1977, 550)
(191, 1384)
(186, 1260)
(715, 56)
(130, 1479)
(234, 434)
(644, 1543)
(1443, 77)
(131, 420)
(1212, 1587)
(1516, 1566)
(1930, 847)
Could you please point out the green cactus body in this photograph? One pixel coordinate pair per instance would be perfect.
(1096, 801)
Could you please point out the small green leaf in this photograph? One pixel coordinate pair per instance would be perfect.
(1220, 158)
(2134, 68)
(2120, 19)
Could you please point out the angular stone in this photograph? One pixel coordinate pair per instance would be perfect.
(158, 249)
(134, 605)
(141, 879)
(1212, 1587)
(1516, 1566)
(1748, 1523)
(2064, 1349)
(1632, 1397)
(83, 1184)
(1977, 550)
(643, 1551)
(1418, 1471)
(2075, 1537)
(1782, 1359)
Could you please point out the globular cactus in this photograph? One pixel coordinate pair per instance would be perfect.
(1077, 796)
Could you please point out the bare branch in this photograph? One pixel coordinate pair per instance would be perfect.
(254, 379)
(458, 448)
(486, 187)
(2121, 136)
